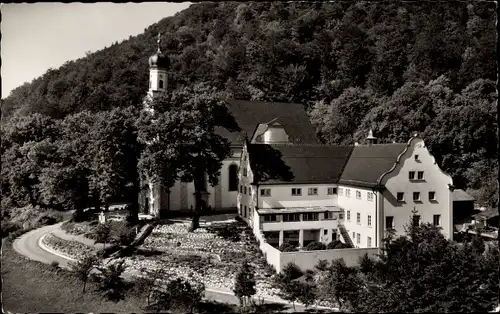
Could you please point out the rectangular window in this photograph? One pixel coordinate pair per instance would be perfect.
(245, 190)
(354, 235)
(245, 215)
(369, 196)
(401, 196)
(341, 192)
(310, 216)
(348, 215)
(432, 196)
(341, 216)
(269, 218)
(437, 220)
(245, 172)
(416, 158)
(296, 192)
(348, 192)
(358, 195)
(330, 215)
(325, 232)
(332, 191)
(411, 175)
(291, 217)
(369, 242)
(358, 218)
(265, 192)
(369, 220)
(416, 196)
(358, 239)
(389, 222)
(420, 175)
(241, 188)
(312, 191)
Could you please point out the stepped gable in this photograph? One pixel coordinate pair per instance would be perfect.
(308, 163)
(249, 114)
(367, 163)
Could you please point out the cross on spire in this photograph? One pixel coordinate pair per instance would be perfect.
(158, 41)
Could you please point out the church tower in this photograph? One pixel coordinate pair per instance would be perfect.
(158, 65)
(155, 198)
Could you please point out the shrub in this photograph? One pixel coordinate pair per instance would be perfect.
(291, 271)
(333, 245)
(244, 286)
(342, 245)
(9, 227)
(122, 234)
(227, 232)
(366, 264)
(79, 215)
(54, 264)
(110, 283)
(322, 265)
(49, 218)
(102, 233)
(314, 246)
(287, 247)
(180, 296)
(83, 267)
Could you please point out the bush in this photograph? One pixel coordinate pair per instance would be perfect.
(322, 265)
(228, 232)
(315, 246)
(79, 215)
(122, 234)
(181, 296)
(54, 264)
(49, 218)
(333, 245)
(110, 283)
(292, 271)
(287, 247)
(342, 245)
(9, 227)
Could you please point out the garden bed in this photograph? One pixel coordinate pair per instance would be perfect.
(212, 254)
(71, 249)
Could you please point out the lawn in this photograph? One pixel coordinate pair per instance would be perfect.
(29, 287)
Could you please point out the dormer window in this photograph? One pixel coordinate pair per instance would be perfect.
(416, 158)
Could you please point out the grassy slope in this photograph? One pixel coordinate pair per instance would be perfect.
(29, 286)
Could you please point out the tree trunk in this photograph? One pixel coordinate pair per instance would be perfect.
(84, 284)
(199, 186)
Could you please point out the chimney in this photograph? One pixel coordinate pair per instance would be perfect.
(370, 139)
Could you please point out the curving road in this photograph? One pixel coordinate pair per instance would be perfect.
(28, 245)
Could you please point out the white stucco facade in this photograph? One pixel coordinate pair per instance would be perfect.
(416, 159)
(356, 201)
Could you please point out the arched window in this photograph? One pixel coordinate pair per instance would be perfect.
(233, 177)
(161, 83)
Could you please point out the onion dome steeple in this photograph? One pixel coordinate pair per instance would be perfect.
(159, 60)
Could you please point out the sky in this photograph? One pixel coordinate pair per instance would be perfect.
(39, 36)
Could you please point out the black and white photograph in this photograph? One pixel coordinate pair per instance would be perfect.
(250, 157)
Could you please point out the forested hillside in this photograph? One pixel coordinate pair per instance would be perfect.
(396, 67)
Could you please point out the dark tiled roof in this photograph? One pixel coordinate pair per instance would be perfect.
(368, 163)
(459, 195)
(301, 164)
(249, 114)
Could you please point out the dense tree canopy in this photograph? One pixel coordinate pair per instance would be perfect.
(397, 67)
